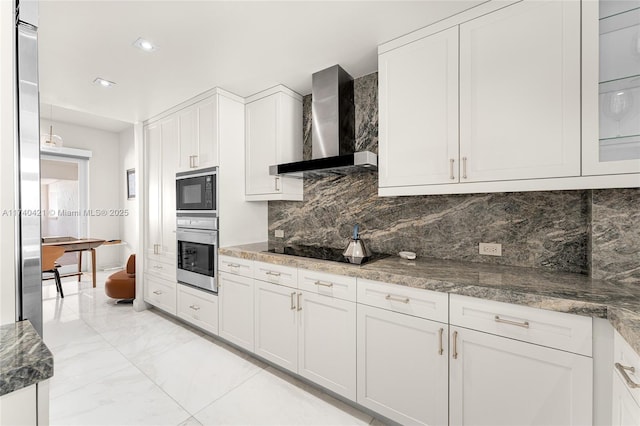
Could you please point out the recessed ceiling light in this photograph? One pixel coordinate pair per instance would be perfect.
(102, 82)
(145, 45)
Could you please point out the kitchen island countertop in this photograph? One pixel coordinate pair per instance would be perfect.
(556, 291)
(24, 358)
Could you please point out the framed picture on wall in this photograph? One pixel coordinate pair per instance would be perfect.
(131, 184)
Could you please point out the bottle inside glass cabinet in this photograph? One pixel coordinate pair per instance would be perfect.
(619, 81)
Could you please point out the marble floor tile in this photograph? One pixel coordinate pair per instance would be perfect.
(197, 373)
(126, 397)
(274, 398)
(82, 362)
(65, 330)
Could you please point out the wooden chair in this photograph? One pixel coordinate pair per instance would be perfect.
(49, 256)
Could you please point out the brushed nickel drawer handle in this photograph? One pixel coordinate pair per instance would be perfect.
(441, 349)
(195, 307)
(323, 284)
(275, 274)
(277, 187)
(519, 324)
(157, 267)
(293, 301)
(299, 302)
(455, 345)
(233, 265)
(157, 292)
(623, 370)
(451, 161)
(397, 299)
(464, 167)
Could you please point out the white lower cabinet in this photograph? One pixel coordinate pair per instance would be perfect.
(20, 408)
(402, 366)
(309, 334)
(500, 381)
(625, 410)
(276, 324)
(235, 316)
(327, 343)
(160, 293)
(198, 307)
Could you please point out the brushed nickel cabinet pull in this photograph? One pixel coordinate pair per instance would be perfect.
(623, 370)
(277, 181)
(157, 267)
(195, 307)
(274, 274)
(455, 345)
(464, 167)
(323, 284)
(441, 349)
(157, 292)
(293, 301)
(451, 176)
(233, 265)
(397, 299)
(299, 302)
(519, 324)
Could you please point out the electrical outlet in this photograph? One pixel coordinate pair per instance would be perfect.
(279, 233)
(490, 249)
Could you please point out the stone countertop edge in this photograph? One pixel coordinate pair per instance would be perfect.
(556, 291)
(24, 358)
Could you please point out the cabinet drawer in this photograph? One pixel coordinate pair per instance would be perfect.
(198, 307)
(276, 274)
(558, 330)
(338, 286)
(160, 293)
(161, 269)
(625, 359)
(236, 266)
(412, 301)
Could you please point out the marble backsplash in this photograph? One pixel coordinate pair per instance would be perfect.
(588, 232)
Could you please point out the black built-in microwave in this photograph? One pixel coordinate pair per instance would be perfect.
(196, 191)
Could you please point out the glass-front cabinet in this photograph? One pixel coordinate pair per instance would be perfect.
(611, 60)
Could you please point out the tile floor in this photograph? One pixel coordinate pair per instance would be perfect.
(115, 366)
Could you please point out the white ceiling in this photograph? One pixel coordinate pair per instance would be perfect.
(240, 46)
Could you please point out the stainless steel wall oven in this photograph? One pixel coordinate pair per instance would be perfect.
(197, 263)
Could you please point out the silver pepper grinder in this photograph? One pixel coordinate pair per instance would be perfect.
(356, 252)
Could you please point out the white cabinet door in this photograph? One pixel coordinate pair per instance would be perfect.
(520, 92)
(419, 112)
(153, 196)
(499, 381)
(235, 297)
(276, 329)
(625, 411)
(207, 153)
(20, 408)
(327, 343)
(261, 124)
(273, 135)
(169, 167)
(187, 133)
(403, 366)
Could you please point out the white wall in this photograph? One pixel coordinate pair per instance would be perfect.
(104, 188)
(7, 193)
(129, 223)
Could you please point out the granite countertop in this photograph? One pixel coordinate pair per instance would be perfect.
(24, 358)
(556, 291)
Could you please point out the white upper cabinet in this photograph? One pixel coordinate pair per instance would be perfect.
(520, 93)
(418, 104)
(273, 135)
(198, 134)
(611, 87)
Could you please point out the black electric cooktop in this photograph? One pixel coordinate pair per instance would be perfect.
(322, 253)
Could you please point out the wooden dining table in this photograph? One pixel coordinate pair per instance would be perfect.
(79, 245)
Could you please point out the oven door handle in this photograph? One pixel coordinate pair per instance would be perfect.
(199, 237)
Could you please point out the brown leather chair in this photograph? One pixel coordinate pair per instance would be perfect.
(122, 284)
(49, 256)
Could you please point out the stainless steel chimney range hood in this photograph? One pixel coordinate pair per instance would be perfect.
(333, 129)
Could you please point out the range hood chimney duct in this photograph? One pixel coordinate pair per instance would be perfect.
(333, 128)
